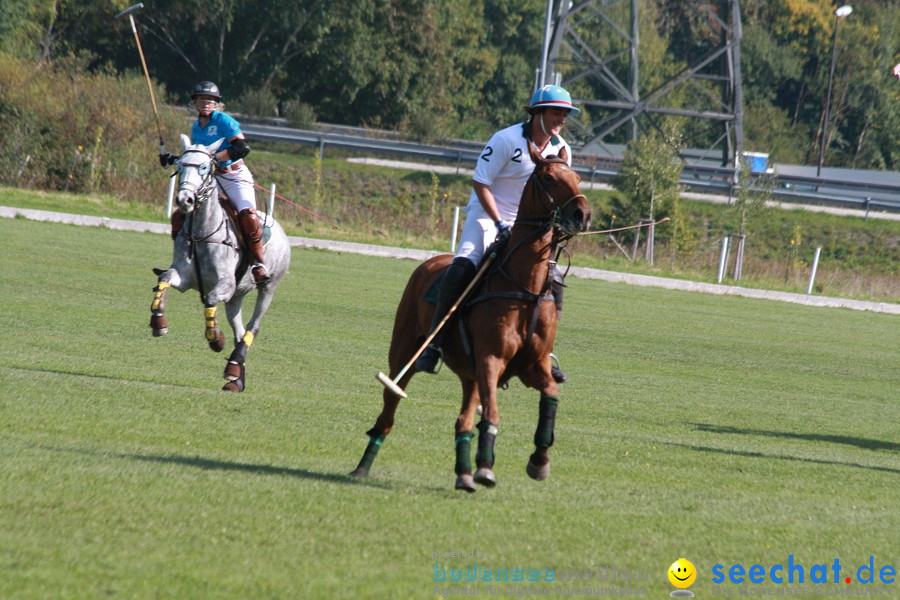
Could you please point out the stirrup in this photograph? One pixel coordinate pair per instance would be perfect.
(555, 371)
(259, 279)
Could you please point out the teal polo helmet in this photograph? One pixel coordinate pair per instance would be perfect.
(553, 96)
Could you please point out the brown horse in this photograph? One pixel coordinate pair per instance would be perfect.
(506, 328)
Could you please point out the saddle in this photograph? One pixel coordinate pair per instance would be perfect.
(552, 290)
(233, 217)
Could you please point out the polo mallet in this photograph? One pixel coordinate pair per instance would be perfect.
(391, 384)
(663, 220)
(128, 11)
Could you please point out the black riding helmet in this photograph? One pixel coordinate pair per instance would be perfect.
(206, 88)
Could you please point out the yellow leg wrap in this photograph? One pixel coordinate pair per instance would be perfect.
(248, 339)
(158, 294)
(210, 322)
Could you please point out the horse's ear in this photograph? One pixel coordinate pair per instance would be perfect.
(564, 154)
(214, 147)
(186, 141)
(536, 157)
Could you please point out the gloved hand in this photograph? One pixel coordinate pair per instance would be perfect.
(503, 232)
(167, 159)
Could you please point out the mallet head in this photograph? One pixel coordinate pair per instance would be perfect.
(129, 10)
(390, 384)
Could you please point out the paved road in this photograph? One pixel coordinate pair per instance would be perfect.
(386, 251)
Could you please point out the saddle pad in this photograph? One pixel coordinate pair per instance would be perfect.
(431, 295)
(267, 230)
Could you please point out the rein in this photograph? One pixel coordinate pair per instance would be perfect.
(203, 194)
(541, 226)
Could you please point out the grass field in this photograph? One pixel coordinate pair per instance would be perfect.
(722, 429)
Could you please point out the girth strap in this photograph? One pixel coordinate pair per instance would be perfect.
(524, 296)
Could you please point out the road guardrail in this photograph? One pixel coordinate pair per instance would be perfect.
(856, 194)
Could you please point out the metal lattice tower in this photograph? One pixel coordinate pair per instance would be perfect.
(591, 48)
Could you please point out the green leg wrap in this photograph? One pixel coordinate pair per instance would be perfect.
(543, 435)
(464, 452)
(487, 435)
(375, 440)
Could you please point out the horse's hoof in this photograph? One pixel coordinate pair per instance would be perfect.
(218, 344)
(538, 473)
(236, 386)
(232, 371)
(359, 473)
(159, 323)
(465, 482)
(485, 477)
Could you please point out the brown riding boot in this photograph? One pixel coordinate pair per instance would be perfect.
(252, 232)
(177, 223)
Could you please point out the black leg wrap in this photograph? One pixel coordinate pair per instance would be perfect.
(375, 440)
(487, 435)
(543, 435)
(464, 452)
(239, 355)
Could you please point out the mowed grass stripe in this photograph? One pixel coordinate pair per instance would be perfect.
(716, 428)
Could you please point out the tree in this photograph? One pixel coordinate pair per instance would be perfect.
(650, 176)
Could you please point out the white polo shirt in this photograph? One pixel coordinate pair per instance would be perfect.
(505, 165)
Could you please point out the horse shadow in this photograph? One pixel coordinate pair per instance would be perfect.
(863, 443)
(866, 444)
(212, 464)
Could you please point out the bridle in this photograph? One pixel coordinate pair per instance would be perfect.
(553, 207)
(202, 193)
(541, 224)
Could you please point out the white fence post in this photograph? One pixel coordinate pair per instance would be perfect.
(170, 196)
(812, 275)
(271, 211)
(724, 258)
(455, 229)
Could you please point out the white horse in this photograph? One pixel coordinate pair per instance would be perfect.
(208, 257)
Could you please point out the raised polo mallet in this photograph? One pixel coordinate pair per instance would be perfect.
(128, 11)
(391, 384)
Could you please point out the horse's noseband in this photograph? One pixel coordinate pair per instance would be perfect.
(556, 207)
(201, 192)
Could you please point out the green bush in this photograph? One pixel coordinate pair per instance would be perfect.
(98, 134)
(257, 103)
(299, 114)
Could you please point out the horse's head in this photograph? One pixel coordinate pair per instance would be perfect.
(553, 192)
(196, 169)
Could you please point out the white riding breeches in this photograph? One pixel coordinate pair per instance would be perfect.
(238, 187)
(478, 233)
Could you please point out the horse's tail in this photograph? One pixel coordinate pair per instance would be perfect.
(414, 313)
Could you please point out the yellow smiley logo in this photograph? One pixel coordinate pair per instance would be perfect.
(682, 573)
